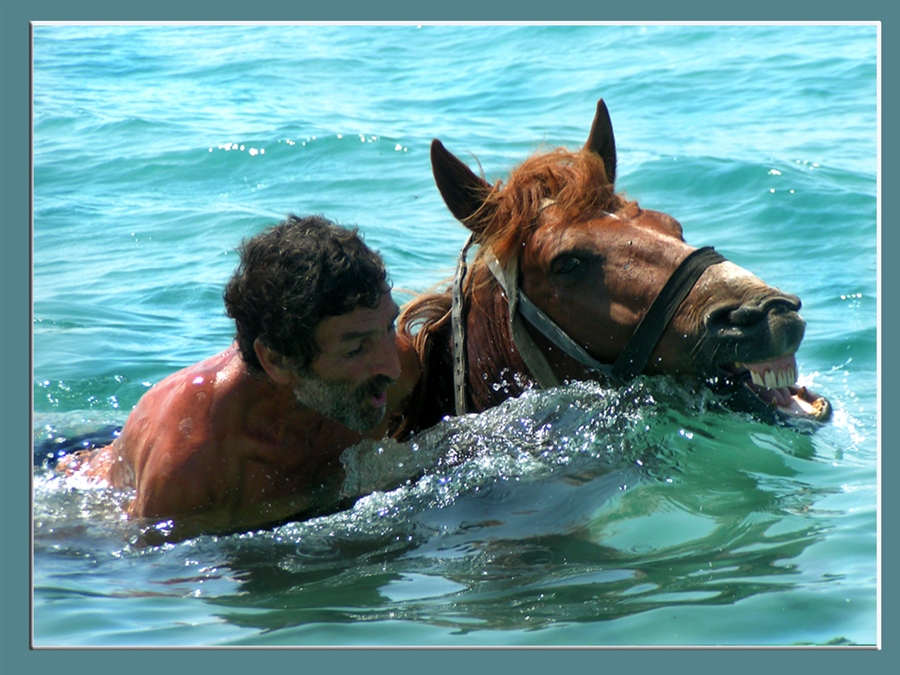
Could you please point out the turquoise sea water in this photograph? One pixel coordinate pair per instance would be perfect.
(579, 516)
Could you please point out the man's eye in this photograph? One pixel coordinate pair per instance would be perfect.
(357, 352)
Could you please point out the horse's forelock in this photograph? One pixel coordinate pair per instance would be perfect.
(576, 182)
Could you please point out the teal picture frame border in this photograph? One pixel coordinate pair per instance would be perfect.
(16, 655)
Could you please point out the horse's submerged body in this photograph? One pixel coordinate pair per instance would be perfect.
(572, 281)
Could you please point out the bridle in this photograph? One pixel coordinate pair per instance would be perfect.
(630, 363)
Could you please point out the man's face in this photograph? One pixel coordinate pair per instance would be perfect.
(357, 362)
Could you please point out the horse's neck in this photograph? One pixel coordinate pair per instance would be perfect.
(496, 370)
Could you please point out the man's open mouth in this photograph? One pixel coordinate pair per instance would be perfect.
(774, 383)
(374, 392)
(378, 400)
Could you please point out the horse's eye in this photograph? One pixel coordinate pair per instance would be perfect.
(567, 265)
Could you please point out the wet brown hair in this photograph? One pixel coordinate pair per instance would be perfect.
(291, 277)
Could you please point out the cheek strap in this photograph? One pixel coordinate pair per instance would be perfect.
(634, 357)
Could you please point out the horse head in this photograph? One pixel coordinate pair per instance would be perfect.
(593, 287)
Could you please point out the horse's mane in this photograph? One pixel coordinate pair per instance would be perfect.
(577, 183)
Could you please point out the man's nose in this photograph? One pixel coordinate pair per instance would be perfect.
(387, 358)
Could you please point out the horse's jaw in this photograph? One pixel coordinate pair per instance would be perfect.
(773, 384)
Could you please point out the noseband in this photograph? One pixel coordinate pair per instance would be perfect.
(630, 363)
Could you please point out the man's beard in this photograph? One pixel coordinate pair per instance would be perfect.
(344, 403)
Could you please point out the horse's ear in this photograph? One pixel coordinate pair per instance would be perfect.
(602, 141)
(462, 190)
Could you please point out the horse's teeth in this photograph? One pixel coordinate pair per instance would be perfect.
(774, 379)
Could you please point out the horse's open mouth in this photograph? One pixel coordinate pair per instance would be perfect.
(775, 384)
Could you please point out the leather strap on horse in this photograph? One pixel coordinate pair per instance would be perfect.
(534, 359)
(631, 361)
(458, 329)
(634, 357)
(520, 305)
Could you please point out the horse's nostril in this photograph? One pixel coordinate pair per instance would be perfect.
(730, 316)
(752, 313)
(781, 304)
(788, 303)
(746, 315)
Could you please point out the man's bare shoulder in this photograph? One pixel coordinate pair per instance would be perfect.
(184, 442)
(224, 372)
(179, 417)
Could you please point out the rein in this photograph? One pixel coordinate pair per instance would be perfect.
(630, 363)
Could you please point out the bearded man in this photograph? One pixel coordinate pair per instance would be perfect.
(252, 437)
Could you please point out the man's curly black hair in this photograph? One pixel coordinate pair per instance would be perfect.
(291, 277)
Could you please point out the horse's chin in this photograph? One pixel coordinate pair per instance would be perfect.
(770, 388)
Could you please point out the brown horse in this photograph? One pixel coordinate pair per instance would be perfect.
(573, 281)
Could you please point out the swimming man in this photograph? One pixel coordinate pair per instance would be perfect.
(252, 437)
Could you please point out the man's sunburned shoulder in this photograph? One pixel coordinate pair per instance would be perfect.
(173, 420)
(221, 370)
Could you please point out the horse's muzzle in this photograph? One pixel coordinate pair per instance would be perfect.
(760, 328)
